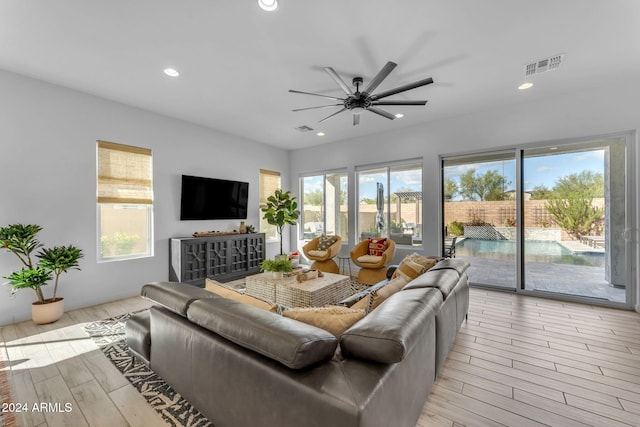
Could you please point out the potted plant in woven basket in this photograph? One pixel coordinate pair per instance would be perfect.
(22, 241)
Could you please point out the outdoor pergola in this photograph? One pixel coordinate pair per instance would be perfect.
(407, 196)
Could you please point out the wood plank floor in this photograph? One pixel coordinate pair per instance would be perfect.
(518, 361)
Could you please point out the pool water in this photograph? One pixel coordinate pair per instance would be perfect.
(544, 251)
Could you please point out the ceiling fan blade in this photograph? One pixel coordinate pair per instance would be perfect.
(316, 94)
(404, 88)
(328, 117)
(313, 108)
(398, 102)
(338, 80)
(381, 113)
(356, 119)
(382, 74)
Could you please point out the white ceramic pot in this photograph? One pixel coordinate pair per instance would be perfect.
(277, 275)
(48, 312)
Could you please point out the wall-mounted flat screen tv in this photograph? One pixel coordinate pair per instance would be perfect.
(209, 198)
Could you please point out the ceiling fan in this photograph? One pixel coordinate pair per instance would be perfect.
(358, 101)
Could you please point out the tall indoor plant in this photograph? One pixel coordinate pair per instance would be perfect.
(22, 241)
(281, 210)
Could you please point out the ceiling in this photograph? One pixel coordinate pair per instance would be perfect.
(238, 62)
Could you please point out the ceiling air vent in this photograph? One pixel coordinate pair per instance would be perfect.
(303, 128)
(543, 65)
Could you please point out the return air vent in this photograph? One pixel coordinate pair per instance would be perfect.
(303, 128)
(543, 65)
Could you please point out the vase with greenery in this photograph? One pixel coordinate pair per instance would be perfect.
(22, 241)
(281, 209)
(277, 266)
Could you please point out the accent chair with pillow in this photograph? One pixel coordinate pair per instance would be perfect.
(372, 256)
(322, 250)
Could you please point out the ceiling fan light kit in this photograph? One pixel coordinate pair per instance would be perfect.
(365, 100)
(268, 5)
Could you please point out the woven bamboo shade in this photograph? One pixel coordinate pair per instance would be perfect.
(269, 183)
(125, 174)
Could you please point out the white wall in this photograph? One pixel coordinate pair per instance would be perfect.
(598, 112)
(47, 169)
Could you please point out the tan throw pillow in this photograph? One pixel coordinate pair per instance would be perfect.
(377, 297)
(334, 319)
(217, 288)
(413, 265)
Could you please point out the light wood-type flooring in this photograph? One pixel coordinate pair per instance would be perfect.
(517, 361)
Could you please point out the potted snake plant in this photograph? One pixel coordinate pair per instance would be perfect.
(22, 241)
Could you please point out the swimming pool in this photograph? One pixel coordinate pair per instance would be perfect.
(545, 251)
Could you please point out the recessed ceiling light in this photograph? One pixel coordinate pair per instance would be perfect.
(524, 86)
(399, 116)
(268, 5)
(171, 72)
(320, 133)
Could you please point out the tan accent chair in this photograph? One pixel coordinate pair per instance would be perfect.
(372, 272)
(323, 262)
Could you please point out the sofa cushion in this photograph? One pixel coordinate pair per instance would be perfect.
(388, 334)
(334, 319)
(219, 289)
(452, 264)
(173, 295)
(325, 242)
(377, 246)
(292, 343)
(444, 280)
(372, 259)
(317, 253)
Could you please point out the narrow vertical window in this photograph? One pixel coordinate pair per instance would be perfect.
(125, 201)
(269, 183)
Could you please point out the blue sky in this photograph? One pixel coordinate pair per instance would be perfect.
(540, 170)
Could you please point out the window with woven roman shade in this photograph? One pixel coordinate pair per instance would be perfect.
(269, 182)
(125, 201)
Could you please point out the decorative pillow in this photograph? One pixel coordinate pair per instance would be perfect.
(317, 253)
(377, 246)
(334, 319)
(325, 242)
(377, 297)
(369, 258)
(217, 288)
(413, 265)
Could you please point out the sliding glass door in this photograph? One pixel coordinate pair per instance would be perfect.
(575, 220)
(480, 215)
(549, 220)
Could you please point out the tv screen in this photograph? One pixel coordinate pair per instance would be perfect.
(208, 198)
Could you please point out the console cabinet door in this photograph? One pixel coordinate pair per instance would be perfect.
(221, 257)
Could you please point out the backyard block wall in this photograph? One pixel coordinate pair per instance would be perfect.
(499, 213)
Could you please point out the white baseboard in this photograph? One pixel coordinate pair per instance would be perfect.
(637, 308)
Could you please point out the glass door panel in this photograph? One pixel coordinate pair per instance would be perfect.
(574, 220)
(480, 216)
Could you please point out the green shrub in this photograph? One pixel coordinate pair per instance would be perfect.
(456, 228)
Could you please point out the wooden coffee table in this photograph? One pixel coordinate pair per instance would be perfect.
(287, 291)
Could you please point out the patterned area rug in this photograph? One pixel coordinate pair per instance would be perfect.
(109, 335)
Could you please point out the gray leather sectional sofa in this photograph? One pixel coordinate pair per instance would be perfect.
(243, 366)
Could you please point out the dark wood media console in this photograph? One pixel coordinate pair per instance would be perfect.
(221, 257)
